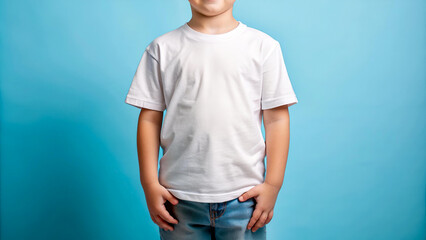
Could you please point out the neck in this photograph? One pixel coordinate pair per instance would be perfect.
(216, 24)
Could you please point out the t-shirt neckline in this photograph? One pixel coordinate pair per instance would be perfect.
(213, 37)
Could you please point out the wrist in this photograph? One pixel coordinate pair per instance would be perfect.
(147, 184)
(277, 186)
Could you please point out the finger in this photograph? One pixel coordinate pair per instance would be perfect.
(261, 222)
(163, 224)
(270, 215)
(256, 214)
(249, 194)
(164, 214)
(172, 199)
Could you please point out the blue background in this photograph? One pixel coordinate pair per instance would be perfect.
(356, 167)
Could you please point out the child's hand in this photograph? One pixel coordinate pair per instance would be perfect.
(156, 195)
(265, 195)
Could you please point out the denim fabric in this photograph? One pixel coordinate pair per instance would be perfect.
(205, 221)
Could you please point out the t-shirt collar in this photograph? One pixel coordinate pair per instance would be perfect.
(213, 37)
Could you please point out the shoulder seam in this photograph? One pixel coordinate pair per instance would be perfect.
(151, 55)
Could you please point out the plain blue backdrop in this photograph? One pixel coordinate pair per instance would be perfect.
(356, 167)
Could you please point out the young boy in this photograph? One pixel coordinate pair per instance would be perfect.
(216, 77)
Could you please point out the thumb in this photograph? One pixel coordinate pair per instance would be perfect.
(249, 194)
(172, 199)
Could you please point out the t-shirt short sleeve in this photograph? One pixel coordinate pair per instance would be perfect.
(146, 90)
(276, 86)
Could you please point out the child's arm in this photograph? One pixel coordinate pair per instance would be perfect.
(277, 132)
(148, 143)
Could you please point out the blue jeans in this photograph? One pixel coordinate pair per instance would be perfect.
(206, 221)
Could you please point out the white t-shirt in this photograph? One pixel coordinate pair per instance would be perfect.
(213, 88)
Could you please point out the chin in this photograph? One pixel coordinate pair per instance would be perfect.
(211, 7)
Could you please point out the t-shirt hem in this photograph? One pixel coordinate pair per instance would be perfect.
(208, 198)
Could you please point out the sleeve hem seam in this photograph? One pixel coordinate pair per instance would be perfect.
(275, 102)
(289, 96)
(145, 103)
